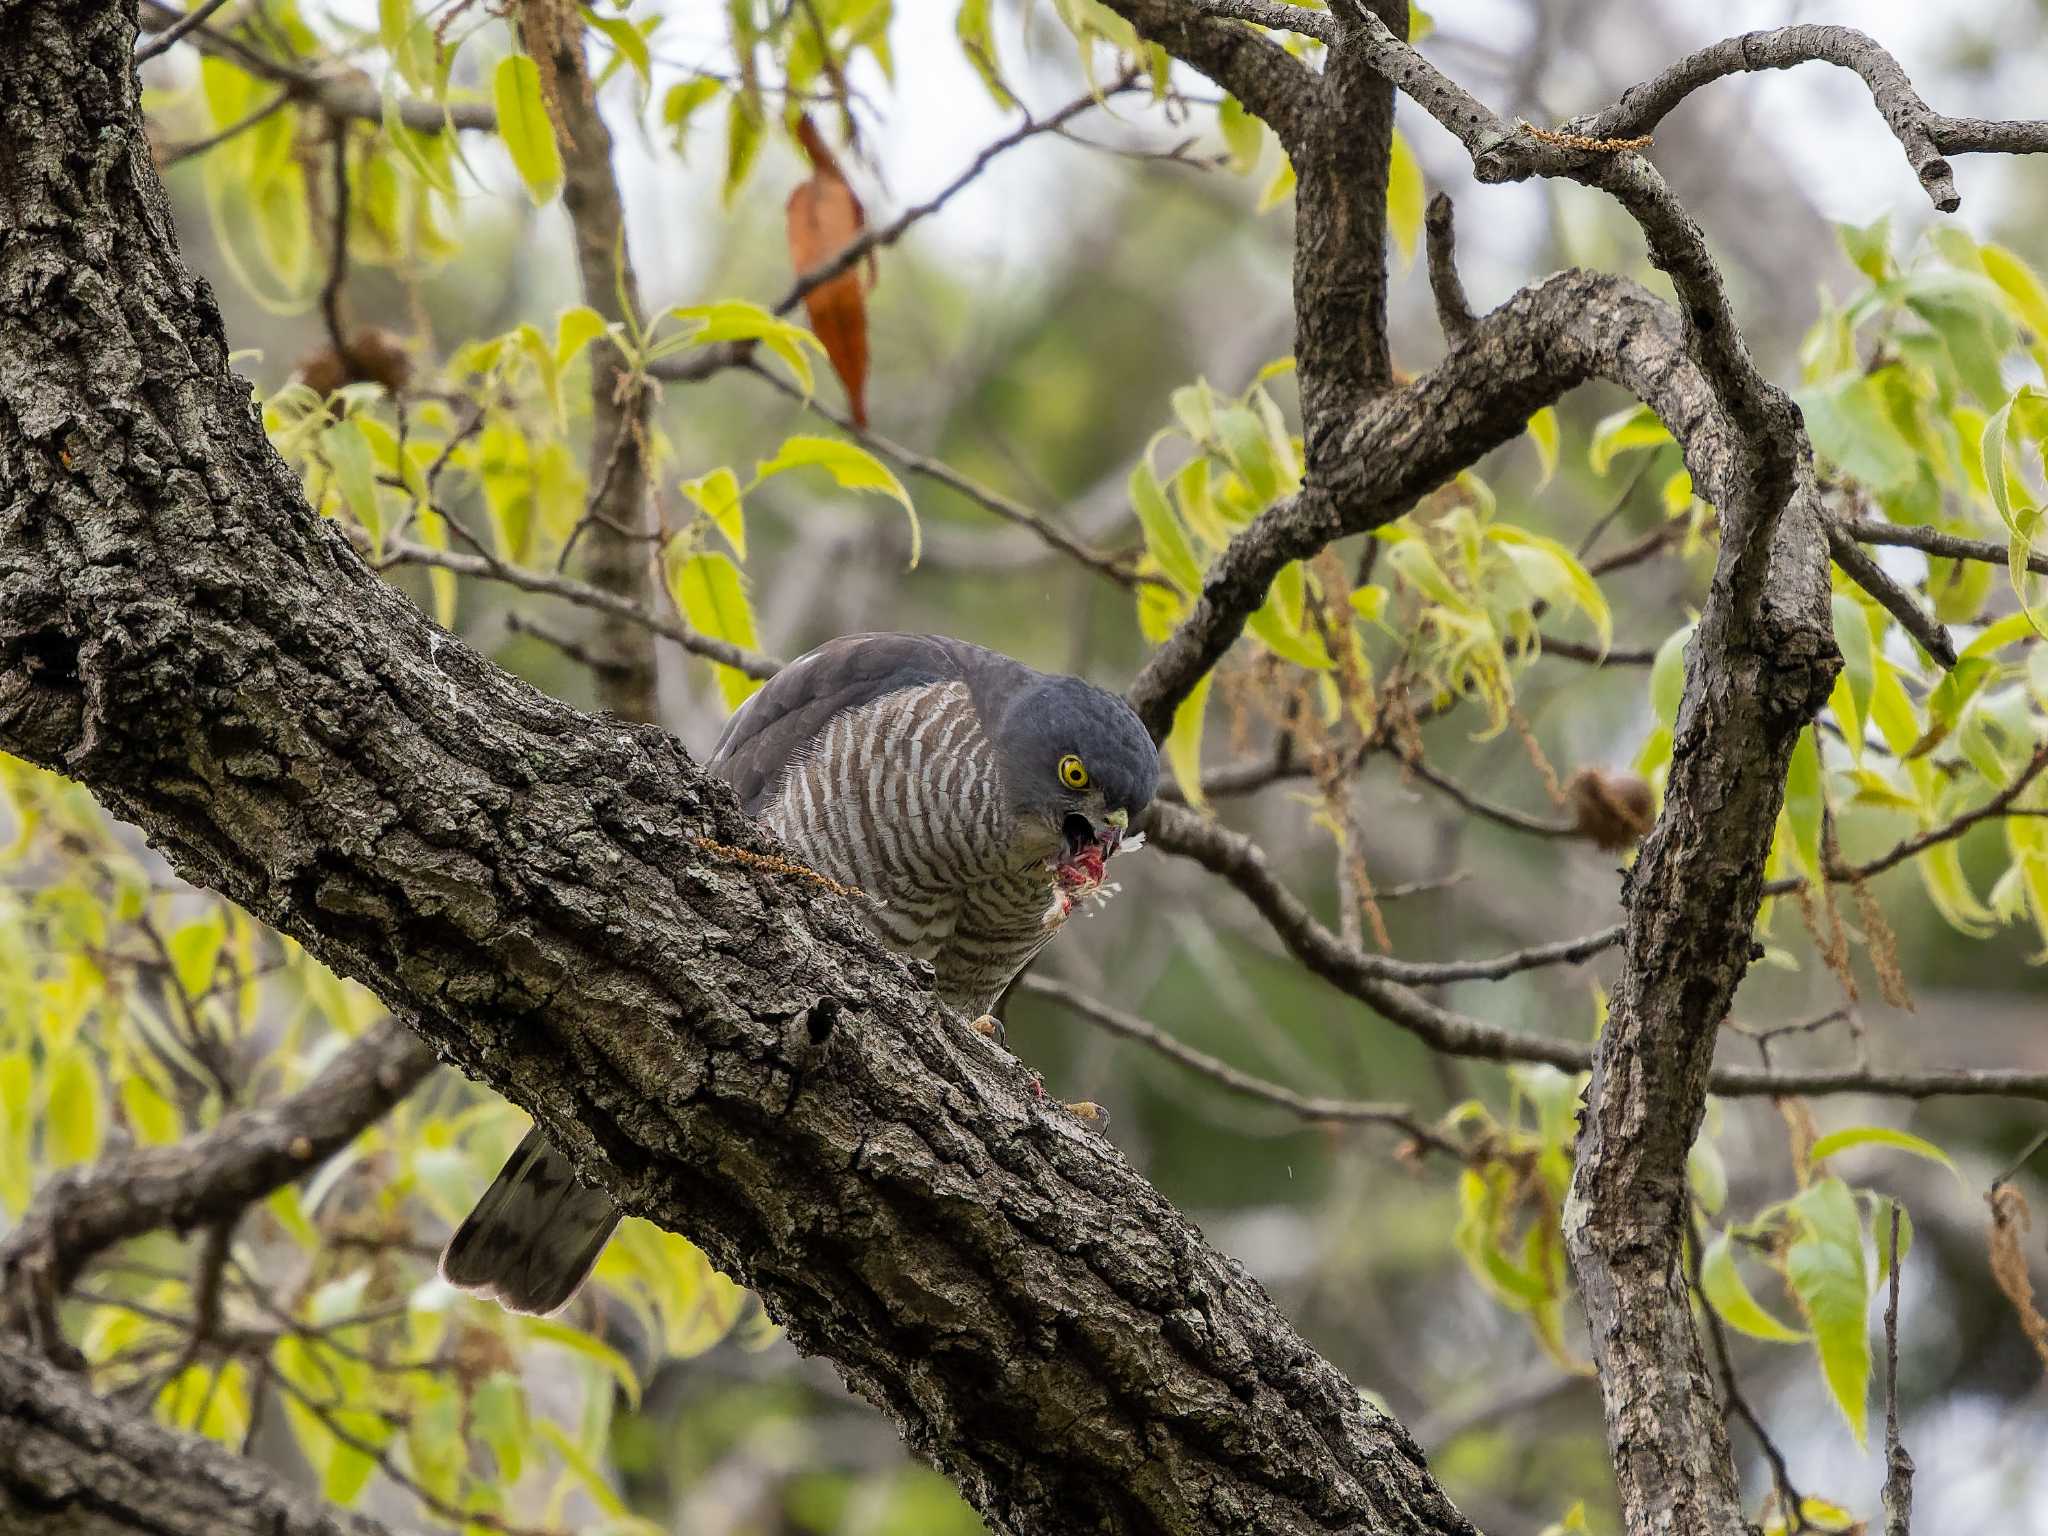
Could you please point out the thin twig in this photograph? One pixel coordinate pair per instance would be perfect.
(1309, 1107)
(1115, 567)
(753, 663)
(1898, 1466)
(1932, 541)
(175, 34)
(337, 260)
(1506, 816)
(180, 152)
(705, 362)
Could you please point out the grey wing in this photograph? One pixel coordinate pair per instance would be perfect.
(771, 730)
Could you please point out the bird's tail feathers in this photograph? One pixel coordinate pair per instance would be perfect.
(534, 1236)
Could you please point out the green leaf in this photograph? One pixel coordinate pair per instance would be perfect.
(708, 590)
(1667, 677)
(630, 41)
(1279, 189)
(195, 951)
(1543, 432)
(423, 152)
(1998, 477)
(1721, 1283)
(739, 320)
(578, 327)
(1868, 247)
(1165, 540)
(1941, 872)
(1277, 623)
(151, 1116)
(1804, 801)
(977, 41)
(1553, 573)
(355, 476)
(524, 126)
(742, 144)
(1184, 742)
(1879, 1136)
(852, 466)
(1957, 686)
(2022, 287)
(1624, 432)
(74, 1110)
(717, 496)
(1194, 406)
(1851, 697)
(681, 104)
(1825, 1266)
(1968, 312)
(1852, 430)
(1404, 199)
(1244, 136)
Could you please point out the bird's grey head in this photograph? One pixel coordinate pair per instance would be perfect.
(1078, 766)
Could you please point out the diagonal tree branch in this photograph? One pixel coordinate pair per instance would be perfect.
(211, 1177)
(73, 1464)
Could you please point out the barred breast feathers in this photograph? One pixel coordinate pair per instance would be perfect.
(902, 798)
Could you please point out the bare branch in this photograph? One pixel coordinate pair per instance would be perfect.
(1453, 309)
(1998, 805)
(1273, 84)
(211, 1177)
(1519, 821)
(1902, 605)
(1270, 13)
(585, 595)
(1932, 541)
(180, 152)
(1240, 861)
(1924, 134)
(1898, 1466)
(1336, 1111)
(175, 33)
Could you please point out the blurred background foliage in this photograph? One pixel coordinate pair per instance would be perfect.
(1095, 328)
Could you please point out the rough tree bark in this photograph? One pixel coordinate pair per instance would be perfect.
(72, 1464)
(617, 528)
(730, 1051)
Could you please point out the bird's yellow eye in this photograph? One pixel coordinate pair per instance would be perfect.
(1073, 772)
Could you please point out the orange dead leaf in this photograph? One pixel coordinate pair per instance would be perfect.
(824, 218)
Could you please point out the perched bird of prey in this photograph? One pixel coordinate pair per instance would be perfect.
(973, 800)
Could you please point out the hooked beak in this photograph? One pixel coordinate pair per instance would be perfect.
(1081, 834)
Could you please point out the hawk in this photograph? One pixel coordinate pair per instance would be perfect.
(972, 799)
